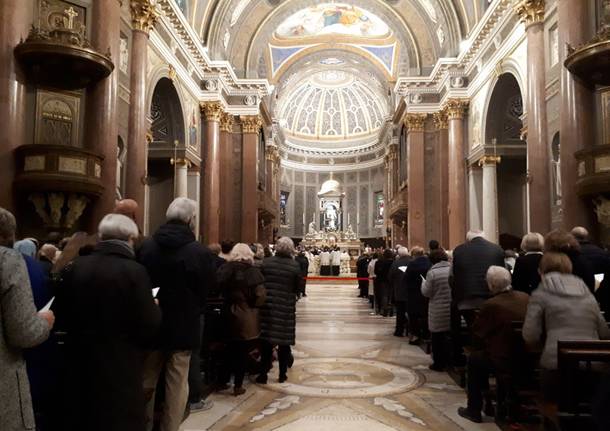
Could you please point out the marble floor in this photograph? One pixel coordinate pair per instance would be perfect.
(350, 373)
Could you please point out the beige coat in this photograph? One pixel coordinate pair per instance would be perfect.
(20, 328)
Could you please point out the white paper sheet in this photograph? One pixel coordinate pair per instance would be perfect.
(402, 268)
(155, 291)
(48, 306)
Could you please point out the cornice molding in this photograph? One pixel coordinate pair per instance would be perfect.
(144, 15)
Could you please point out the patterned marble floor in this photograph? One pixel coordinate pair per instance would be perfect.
(350, 373)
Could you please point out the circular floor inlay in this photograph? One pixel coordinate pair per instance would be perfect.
(346, 378)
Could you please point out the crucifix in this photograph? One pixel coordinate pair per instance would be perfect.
(71, 14)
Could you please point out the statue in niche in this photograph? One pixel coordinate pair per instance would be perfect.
(312, 228)
(330, 217)
(556, 170)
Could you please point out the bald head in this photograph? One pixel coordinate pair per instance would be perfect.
(126, 207)
(580, 233)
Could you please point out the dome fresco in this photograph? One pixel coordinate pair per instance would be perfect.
(332, 104)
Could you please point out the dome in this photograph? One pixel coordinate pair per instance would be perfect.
(330, 186)
(332, 104)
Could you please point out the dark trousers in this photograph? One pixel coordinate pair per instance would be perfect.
(479, 369)
(335, 270)
(236, 361)
(401, 317)
(325, 270)
(195, 380)
(283, 356)
(456, 331)
(440, 348)
(364, 288)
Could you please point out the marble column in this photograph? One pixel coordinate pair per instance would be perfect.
(442, 160)
(144, 16)
(577, 121)
(456, 110)
(229, 220)
(490, 197)
(194, 185)
(210, 204)
(251, 125)
(16, 17)
(475, 196)
(102, 128)
(181, 169)
(416, 212)
(531, 13)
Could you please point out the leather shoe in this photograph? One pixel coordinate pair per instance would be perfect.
(471, 416)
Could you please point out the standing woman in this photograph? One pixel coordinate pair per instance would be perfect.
(278, 315)
(242, 288)
(382, 282)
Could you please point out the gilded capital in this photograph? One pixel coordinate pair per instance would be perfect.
(251, 123)
(415, 122)
(456, 108)
(144, 15)
(440, 120)
(226, 122)
(211, 111)
(530, 11)
(489, 160)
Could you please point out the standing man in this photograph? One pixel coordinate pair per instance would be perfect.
(335, 258)
(399, 291)
(325, 262)
(184, 270)
(362, 273)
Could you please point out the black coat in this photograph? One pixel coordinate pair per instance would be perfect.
(283, 283)
(471, 261)
(362, 266)
(417, 304)
(184, 270)
(303, 263)
(396, 275)
(598, 258)
(104, 303)
(525, 275)
(582, 268)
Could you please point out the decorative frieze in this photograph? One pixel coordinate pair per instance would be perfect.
(144, 15)
(530, 11)
(456, 108)
(212, 111)
(415, 122)
(251, 123)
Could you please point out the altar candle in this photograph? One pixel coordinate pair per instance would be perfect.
(348, 218)
(303, 218)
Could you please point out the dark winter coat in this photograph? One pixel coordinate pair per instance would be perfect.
(417, 304)
(582, 268)
(243, 290)
(598, 258)
(471, 261)
(362, 266)
(184, 271)
(400, 291)
(283, 283)
(303, 262)
(105, 305)
(526, 277)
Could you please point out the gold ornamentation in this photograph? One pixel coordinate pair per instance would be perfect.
(251, 123)
(440, 120)
(415, 122)
(171, 72)
(144, 15)
(76, 206)
(212, 111)
(456, 108)
(180, 162)
(489, 160)
(226, 122)
(530, 11)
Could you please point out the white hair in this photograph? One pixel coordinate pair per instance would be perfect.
(284, 246)
(498, 279)
(184, 210)
(403, 251)
(474, 233)
(241, 253)
(117, 226)
(580, 233)
(532, 241)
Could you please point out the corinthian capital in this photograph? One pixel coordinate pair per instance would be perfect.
(211, 110)
(144, 15)
(251, 123)
(456, 108)
(226, 122)
(440, 120)
(530, 11)
(415, 122)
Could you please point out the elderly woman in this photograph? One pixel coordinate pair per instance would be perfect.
(436, 288)
(278, 320)
(496, 348)
(243, 290)
(526, 277)
(21, 327)
(560, 241)
(106, 307)
(562, 308)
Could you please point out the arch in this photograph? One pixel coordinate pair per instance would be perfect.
(166, 114)
(503, 111)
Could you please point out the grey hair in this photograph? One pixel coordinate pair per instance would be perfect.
(474, 233)
(532, 241)
(241, 253)
(8, 226)
(117, 226)
(284, 246)
(498, 279)
(580, 233)
(184, 210)
(403, 251)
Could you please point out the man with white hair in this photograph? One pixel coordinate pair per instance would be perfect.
(184, 271)
(497, 347)
(397, 270)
